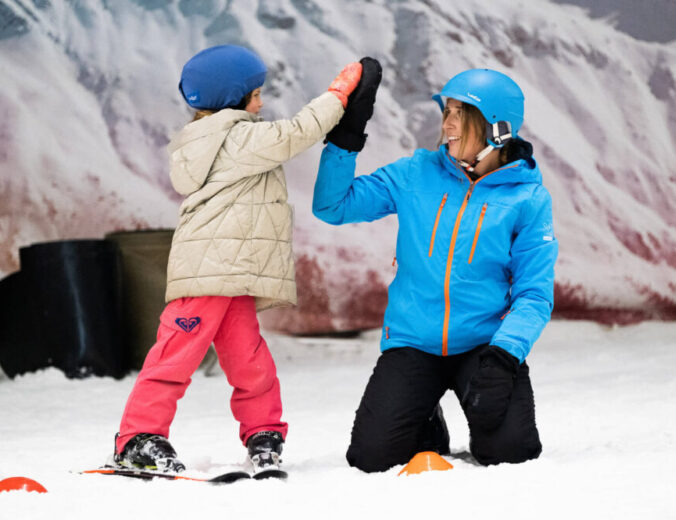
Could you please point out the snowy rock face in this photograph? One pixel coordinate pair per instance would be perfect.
(89, 101)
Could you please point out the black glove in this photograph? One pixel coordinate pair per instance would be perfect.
(516, 149)
(488, 393)
(349, 134)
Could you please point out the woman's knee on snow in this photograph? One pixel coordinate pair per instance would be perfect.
(372, 457)
(374, 449)
(505, 446)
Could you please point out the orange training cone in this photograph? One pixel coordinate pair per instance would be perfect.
(21, 484)
(426, 461)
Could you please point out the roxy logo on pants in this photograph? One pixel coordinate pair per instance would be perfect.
(187, 324)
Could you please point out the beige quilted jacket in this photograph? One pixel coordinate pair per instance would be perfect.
(234, 232)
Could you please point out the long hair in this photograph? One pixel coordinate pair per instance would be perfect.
(239, 106)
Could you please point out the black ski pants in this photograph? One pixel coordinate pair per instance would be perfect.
(393, 417)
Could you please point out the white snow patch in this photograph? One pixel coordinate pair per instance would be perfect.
(606, 409)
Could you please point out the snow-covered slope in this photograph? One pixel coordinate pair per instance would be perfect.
(89, 101)
(605, 412)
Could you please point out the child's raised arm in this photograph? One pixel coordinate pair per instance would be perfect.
(261, 146)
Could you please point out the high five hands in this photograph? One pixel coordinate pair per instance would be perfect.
(359, 81)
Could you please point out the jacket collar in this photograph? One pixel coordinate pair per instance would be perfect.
(218, 122)
(517, 172)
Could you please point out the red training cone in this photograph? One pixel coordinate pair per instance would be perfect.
(21, 484)
(426, 461)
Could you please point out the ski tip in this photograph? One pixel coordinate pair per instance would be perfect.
(229, 478)
(271, 473)
(102, 471)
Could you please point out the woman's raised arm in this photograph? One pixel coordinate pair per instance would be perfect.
(340, 198)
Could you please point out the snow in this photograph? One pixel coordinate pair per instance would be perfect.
(606, 411)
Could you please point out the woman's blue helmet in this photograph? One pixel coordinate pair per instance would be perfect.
(221, 76)
(495, 94)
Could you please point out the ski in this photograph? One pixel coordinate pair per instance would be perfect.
(270, 473)
(225, 478)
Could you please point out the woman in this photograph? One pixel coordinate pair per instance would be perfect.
(474, 284)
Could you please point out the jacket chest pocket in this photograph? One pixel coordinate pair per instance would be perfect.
(477, 232)
(484, 250)
(436, 223)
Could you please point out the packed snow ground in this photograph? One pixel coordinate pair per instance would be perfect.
(606, 410)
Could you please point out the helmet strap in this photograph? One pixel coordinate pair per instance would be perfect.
(498, 133)
(479, 157)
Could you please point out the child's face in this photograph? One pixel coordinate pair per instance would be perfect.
(256, 102)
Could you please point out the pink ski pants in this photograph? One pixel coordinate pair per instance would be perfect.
(187, 328)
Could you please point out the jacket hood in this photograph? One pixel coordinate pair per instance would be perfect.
(193, 150)
(517, 172)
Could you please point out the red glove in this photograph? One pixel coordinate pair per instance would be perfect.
(346, 82)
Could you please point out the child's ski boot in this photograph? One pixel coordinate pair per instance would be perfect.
(264, 450)
(151, 452)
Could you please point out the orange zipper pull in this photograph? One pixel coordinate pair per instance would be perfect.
(471, 189)
(476, 233)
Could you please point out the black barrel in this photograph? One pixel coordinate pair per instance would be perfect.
(75, 292)
(20, 348)
(144, 282)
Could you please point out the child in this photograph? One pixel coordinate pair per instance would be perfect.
(230, 256)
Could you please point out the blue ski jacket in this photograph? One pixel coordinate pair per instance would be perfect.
(475, 258)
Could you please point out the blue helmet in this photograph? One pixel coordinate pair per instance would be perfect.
(221, 76)
(495, 94)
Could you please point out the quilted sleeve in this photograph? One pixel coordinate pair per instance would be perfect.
(260, 146)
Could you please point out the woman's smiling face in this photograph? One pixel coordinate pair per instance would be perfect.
(465, 140)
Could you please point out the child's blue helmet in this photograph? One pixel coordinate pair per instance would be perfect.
(220, 77)
(495, 94)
